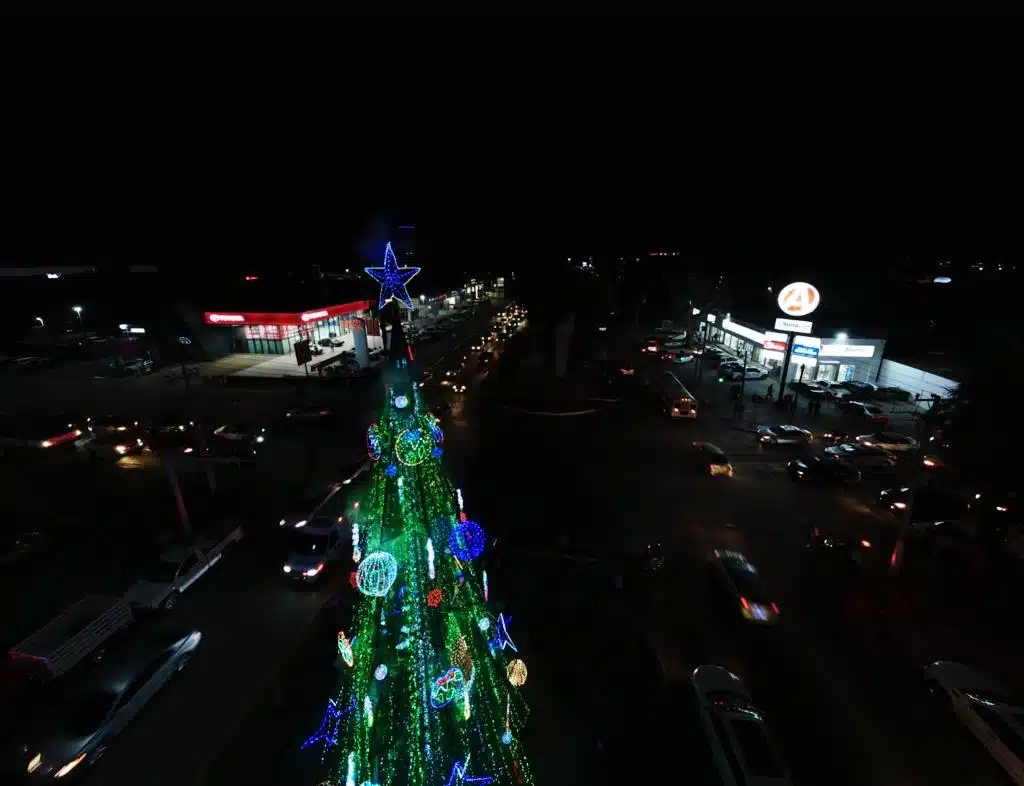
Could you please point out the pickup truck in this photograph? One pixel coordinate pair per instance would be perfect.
(36, 676)
(178, 569)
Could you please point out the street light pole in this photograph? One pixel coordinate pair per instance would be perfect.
(81, 322)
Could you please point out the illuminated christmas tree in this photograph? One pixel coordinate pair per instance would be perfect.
(430, 681)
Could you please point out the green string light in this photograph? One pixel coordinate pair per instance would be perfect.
(395, 737)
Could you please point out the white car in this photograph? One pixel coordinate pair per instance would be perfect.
(744, 753)
(985, 708)
(313, 544)
(888, 440)
(862, 456)
(750, 372)
(783, 435)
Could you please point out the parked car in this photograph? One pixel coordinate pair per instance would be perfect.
(864, 410)
(735, 730)
(985, 707)
(106, 703)
(748, 372)
(178, 569)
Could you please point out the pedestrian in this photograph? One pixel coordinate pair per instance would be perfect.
(771, 390)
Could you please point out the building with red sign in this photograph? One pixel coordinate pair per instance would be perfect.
(275, 332)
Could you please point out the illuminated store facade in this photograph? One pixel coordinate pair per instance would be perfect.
(275, 333)
(836, 358)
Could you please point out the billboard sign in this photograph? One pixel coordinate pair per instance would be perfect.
(775, 342)
(849, 350)
(793, 325)
(806, 346)
(799, 299)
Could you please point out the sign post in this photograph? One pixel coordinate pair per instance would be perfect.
(795, 300)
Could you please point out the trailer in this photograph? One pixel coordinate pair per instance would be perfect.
(61, 644)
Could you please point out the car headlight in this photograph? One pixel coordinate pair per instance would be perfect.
(314, 571)
(287, 568)
(122, 449)
(69, 766)
(36, 761)
(259, 439)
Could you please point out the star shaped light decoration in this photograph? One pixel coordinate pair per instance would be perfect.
(392, 280)
(458, 775)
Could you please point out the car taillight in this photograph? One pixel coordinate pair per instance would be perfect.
(866, 544)
(746, 605)
(775, 607)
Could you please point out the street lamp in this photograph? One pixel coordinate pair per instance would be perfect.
(841, 337)
(41, 323)
(78, 312)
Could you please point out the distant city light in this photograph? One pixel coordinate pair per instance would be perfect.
(943, 280)
(841, 337)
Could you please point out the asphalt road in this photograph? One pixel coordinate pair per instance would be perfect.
(105, 522)
(574, 502)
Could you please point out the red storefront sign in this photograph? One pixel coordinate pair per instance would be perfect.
(775, 346)
(229, 318)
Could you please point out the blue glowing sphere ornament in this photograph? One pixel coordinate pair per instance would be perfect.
(413, 447)
(401, 402)
(467, 540)
(380, 672)
(377, 572)
(507, 738)
(437, 452)
(435, 429)
(391, 470)
(374, 441)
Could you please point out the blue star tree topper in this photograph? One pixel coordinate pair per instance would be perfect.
(392, 280)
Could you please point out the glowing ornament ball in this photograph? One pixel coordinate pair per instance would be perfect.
(467, 540)
(517, 672)
(413, 446)
(377, 572)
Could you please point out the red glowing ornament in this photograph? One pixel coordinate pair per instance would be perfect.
(434, 598)
(352, 579)
(462, 515)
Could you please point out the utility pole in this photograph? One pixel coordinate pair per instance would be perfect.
(785, 366)
(743, 382)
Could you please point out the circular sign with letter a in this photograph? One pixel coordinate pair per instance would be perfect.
(798, 299)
